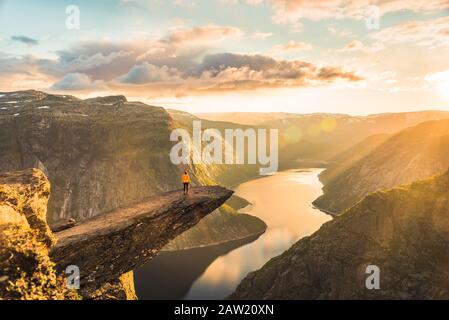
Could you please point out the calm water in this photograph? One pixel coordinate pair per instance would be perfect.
(283, 201)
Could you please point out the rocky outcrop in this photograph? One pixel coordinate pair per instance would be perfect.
(107, 246)
(24, 196)
(121, 288)
(103, 153)
(412, 154)
(403, 231)
(26, 271)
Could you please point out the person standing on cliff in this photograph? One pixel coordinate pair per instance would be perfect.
(185, 181)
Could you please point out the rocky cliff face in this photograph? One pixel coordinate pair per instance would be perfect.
(404, 231)
(100, 154)
(26, 271)
(414, 153)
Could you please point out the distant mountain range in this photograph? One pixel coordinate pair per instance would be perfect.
(323, 136)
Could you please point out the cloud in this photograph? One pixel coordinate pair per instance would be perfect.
(26, 40)
(184, 3)
(292, 46)
(428, 33)
(291, 11)
(262, 35)
(202, 35)
(441, 76)
(228, 2)
(357, 46)
(332, 73)
(233, 72)
(339, 33)
(149, 73)
(179, 63)
(89, 62)
(229, 71)
(77, 82)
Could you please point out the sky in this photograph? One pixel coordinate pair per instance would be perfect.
(338, 56)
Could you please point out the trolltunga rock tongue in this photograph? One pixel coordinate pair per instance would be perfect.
(109, 245)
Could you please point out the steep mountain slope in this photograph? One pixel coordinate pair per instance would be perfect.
(99, 154)
(414, 153)
(349, 157)
(403, 231)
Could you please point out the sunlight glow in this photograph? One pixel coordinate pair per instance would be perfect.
(441, 82)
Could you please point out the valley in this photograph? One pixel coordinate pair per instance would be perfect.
(403, 231)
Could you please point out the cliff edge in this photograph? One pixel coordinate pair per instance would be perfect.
(105, 248)
(111, 244)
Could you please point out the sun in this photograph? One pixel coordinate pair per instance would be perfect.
(443, 88)
(441, 82)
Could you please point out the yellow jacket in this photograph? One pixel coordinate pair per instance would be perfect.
(185, 178)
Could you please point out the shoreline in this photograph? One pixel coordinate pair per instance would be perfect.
(330, 213)
(254, 236)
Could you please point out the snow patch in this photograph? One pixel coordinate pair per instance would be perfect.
(16, 114)
(44, 107)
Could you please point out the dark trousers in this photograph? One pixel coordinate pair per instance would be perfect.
(186, 188)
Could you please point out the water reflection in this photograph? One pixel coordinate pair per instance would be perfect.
(170, 275)
(283, 201)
